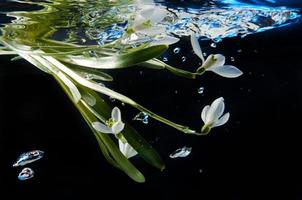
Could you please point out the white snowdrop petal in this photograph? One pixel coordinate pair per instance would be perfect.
(116, 114)
(219, 60)
(122, 147)
(100, 127)
(222, 120)
(227, 71)
(127, 150)
(138, 23)
(117, 127)
(131, 151)
(158, 15)
(215, 111)
(153, 30)
(146, 12)
(204, 113)
(167, 40)
(196, 47)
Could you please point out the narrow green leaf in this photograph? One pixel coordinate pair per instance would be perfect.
(113, 150)
(144, 149)
(152, 64)
(118, 61)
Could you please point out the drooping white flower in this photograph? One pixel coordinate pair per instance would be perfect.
(214, 63)
(127, 150)
(114, 125)
(146, 24)
(196, 47)
(212, 115)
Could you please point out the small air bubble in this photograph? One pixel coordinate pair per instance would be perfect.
(165, 59)
(232, 59)
(183, 59)
(25, 174)
(213, 45)
(112, 99)
(200, 90)
(176, 50)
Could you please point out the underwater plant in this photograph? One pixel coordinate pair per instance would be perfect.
(79, 66)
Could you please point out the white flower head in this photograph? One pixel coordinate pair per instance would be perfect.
(114, 125)
(212, 115)
(127, 150)
(146, 20)
(215, 63)
(146, 25)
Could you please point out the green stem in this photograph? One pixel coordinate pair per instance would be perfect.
(179, 72)
(53, 65)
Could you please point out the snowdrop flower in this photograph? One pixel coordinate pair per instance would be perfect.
(214, 63)
(145, 24)
(212, 115)
(114, 125)
(126, 149)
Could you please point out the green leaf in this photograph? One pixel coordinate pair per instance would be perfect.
(152, 64)
(112, 152)
(118, 61)
(144, 149)
(95, 74)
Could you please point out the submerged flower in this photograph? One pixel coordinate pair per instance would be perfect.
(114, 125)
(214, 63)
(127, 150)
(212, 115)
(145, 26)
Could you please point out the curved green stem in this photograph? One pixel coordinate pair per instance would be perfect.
(179, 72)
(49, 63)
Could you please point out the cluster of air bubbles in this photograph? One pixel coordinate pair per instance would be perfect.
(181, 152)
(143, 117)
(27, 158)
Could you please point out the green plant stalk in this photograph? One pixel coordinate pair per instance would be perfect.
(113, 94)
(104, 140)
(92, 85)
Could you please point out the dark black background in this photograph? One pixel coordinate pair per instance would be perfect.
(256, 155)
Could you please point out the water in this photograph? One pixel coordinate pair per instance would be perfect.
(260, 143)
